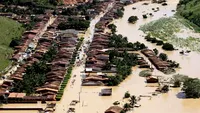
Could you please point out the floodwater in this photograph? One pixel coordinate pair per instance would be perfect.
(172, 102)
(188, 62)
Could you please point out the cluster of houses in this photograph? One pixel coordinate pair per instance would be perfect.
(155, 60)
(66, 47)
(97, 58)
(30, 38)
(35, 43)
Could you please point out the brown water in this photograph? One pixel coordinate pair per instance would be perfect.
(171, 102)
(189, 63)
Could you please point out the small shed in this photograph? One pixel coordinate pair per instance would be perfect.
(114, 109)
(151, 79)
(106, 92)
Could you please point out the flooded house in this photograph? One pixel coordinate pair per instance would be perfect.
(114, 109)
(155, 60)
(151, 79)
(106, 92)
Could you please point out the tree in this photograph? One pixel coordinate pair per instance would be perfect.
(191, 87)
(133, 100)
(163, 56)
(155, 51)
(132, 19)
(127, 95)
(119, 13)
(168, 47)
(144, 16)
(112, 27)
(127, 107)
(177, 83)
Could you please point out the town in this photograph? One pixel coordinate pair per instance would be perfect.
(71, 56)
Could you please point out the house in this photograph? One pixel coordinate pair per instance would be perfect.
(114, 109)
(151, 79)
(106, 92)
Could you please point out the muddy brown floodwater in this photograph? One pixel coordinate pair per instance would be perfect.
(171, 102)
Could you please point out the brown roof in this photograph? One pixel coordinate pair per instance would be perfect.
(114, 109)
(16, 95)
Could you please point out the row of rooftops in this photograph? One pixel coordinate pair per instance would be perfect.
(66, 47)
(97, 58)
(156, 61)
(66, 42)
(29, 40)
(60, 64)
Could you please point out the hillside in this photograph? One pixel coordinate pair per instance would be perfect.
(190, 10)
(9, 30)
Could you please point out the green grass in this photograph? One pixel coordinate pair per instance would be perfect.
(9, 30)
(166, 29)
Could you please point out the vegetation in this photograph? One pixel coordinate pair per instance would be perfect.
(35, 74)
(144, 16)
(163, 56)
(155, 51)
(127, 95)
(191, 87)
(113, 28)
(129, 105)
(132, 19)
(31, 2)
(119, 13)
(116, 103)
(122, 60)
(168, 47)
(118, 41)
(166, 29)
(190, 10)
(153, 40)
(8, 25)
(74, 24)
(145, 73)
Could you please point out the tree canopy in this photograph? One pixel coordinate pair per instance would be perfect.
(191, 87)
(132, 19)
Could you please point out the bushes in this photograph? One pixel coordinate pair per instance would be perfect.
(191, 87)
(119, 13)
(132, 19)
(144, 16)
(168, 47)
(163, 56)
(118, 41)
(112, 27)
(127, 95)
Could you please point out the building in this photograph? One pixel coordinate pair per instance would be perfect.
(114, 109)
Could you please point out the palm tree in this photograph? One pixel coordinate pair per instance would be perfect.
(126, 107)
(133, 100)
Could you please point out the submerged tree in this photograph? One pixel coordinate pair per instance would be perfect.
(191, 87)
(132, 19)
(163, 56)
